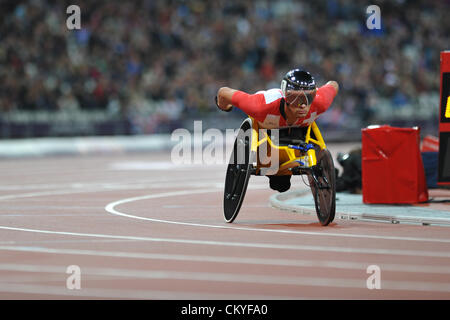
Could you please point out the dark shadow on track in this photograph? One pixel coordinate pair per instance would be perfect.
(284, 225)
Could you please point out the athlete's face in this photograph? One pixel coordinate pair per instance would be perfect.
(300, 101)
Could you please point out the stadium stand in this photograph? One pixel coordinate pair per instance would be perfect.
(142, 67)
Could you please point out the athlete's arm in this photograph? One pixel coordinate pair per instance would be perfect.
(325, 95)
(252, 104)
(224, 96)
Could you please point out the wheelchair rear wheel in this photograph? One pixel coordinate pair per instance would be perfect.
(323, 187)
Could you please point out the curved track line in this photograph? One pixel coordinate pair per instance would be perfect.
(111, 209)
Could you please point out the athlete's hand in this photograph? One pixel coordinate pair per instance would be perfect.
(229, 108)
(334, 84)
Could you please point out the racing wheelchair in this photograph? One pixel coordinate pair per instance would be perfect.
(287, 151)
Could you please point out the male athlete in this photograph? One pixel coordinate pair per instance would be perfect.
(297, 104)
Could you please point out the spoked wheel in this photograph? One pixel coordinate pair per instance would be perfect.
(238, 172)
(323, 187)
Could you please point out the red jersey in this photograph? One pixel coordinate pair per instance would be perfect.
(267, 107)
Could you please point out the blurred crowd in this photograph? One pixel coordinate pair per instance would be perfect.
(166, 59)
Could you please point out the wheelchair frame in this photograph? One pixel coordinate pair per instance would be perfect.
(298, 157)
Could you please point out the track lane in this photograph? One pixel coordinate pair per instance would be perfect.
(281, 254)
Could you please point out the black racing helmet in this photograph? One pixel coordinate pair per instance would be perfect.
(298, 82)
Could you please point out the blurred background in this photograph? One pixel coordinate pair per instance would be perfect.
(151, 66)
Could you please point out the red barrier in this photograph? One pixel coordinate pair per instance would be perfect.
(392, 168)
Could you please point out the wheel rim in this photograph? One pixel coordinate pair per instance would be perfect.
(325, 199)
(237, 176)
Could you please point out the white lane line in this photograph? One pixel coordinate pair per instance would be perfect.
(51, 215)
(111, 209)
(235, 260)
(46, 193)
(440, 254)
(233, 278)
(106, 187)
(132, 294)
(35, 242)
(80, 185)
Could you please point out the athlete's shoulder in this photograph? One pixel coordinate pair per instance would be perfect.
(271, 95)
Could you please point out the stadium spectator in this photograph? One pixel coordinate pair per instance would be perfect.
(131, 54)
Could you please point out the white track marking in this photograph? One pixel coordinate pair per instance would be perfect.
(46, 193)
(52, 215)
(111, 209)
(102, 188)
(79, 185)
(234, 260)
(105, 187)
(160, 165)
(233, 278)
(35, 242)
(441, 254)
(131, 294)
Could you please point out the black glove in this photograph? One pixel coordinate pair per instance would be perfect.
(217, 104)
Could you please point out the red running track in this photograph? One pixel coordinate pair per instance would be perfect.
(140, 228)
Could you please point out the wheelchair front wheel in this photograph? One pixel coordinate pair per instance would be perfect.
(238, 172)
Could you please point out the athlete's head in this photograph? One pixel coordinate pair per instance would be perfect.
(299, 89)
